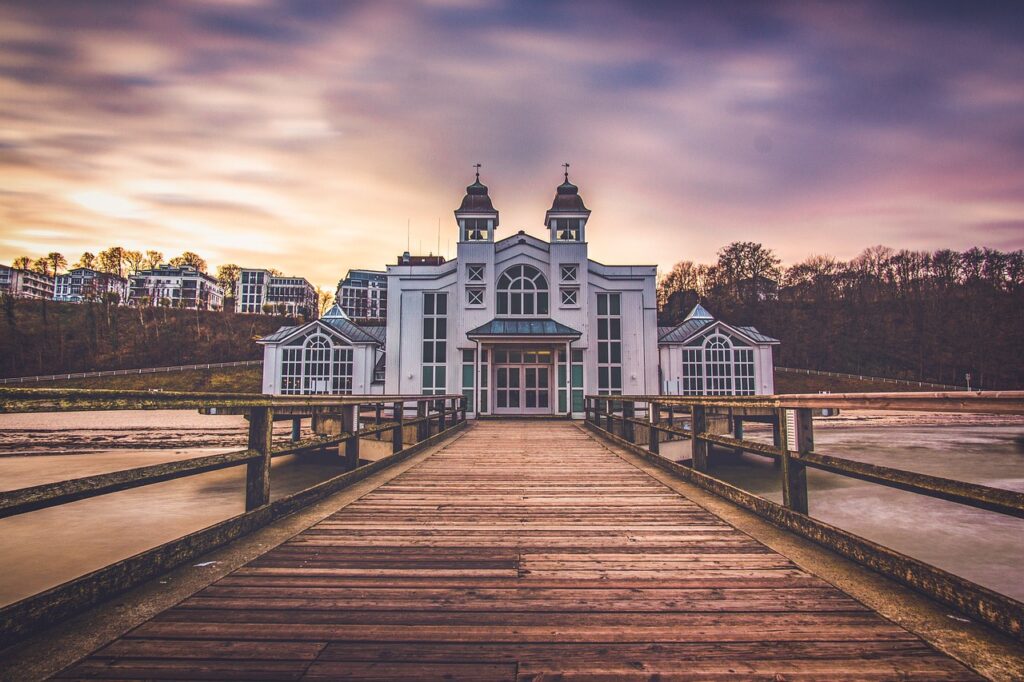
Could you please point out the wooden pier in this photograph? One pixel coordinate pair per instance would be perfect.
(520, 551)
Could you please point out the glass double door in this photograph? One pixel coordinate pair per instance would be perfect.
(522, 382)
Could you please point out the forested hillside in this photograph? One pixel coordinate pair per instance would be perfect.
(45, 337)
(899, 314)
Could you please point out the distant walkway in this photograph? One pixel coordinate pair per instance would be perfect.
(865, 377)
(123, 372)
(521, 551)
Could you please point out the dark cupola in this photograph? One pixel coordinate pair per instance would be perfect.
(567, 217)
(476, 216)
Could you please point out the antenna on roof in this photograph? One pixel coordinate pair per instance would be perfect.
(408, 233)
(438, 236)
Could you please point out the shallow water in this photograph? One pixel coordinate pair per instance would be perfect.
(44, 548)
(982, 546)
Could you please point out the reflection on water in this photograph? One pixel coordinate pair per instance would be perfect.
(979, 545)
(44, 548)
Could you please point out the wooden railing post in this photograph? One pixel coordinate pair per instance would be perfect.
(442, 418)
(398, 433)
(699, 447)
(609, 408)
(654, 436)
(257, 473)
(296, 429)
(586, 408)
(376, 419)
(350, 424)
(794, 473)
(628, 413)
(779, 433)
(423, 425)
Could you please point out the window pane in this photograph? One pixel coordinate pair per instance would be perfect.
(442, 304)
(439, 378)
(428, 304)
(440, 351)
(467, 355)
(542, 303)
(602, 304)
(614, 302)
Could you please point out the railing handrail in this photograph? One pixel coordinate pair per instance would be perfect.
(443, 412)
(124, 372)
(77, 399)
(792, 416)
(868, 377)
(989, 402)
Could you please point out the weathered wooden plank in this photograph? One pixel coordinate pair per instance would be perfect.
(526, 553)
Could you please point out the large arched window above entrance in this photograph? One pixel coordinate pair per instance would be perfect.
(522, 291)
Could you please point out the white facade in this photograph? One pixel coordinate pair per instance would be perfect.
(704, 356)
(182, 286)
(86, 284)
(499, 322)
(331, 356)
(256, 288)
(25, 283)
(519, 326)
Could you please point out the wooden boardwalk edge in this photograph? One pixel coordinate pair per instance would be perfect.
(520, 551)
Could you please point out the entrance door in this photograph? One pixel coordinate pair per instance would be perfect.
(508, 389)
(522, 381)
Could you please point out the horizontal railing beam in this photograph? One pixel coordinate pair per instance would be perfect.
(988, 402)
(69, 399)
(1008, 502)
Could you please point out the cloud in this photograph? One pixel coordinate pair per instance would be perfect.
(306, 135)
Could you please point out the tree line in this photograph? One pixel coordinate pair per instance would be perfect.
(925, 316)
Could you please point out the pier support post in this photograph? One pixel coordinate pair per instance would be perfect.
(350, 424)
(398, 433)
(257, 474)
(699, 446)
(794, 473)
(779, 433)
(653, 438)
(376, 420)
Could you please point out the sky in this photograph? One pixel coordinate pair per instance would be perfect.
(313, 136)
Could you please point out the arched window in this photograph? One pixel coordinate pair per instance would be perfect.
(315, 365)
(718, 365)
(317, 361)
(522, 290)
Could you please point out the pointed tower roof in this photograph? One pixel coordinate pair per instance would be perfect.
(567, 197)
(334, 313)
(476, 200)
(698, 313)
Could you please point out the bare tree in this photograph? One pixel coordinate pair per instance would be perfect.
(133, 259)
(227, 278)
(57, 262)
(112, 261)
(153, 259)
(324, 299)
(189, 259)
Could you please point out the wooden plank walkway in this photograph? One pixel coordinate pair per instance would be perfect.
(521, 551)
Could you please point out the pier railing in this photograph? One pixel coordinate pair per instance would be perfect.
(412, 422)
(643, 423)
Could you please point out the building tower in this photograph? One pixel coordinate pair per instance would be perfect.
(567, 217)
(476, 216)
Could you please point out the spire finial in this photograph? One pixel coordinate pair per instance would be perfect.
(566, 165)
(477, 166)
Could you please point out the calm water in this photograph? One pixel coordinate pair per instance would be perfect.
(44, 548)
(979, 545)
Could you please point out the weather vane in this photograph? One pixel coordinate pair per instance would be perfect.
(566, 165)
(477, 166)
